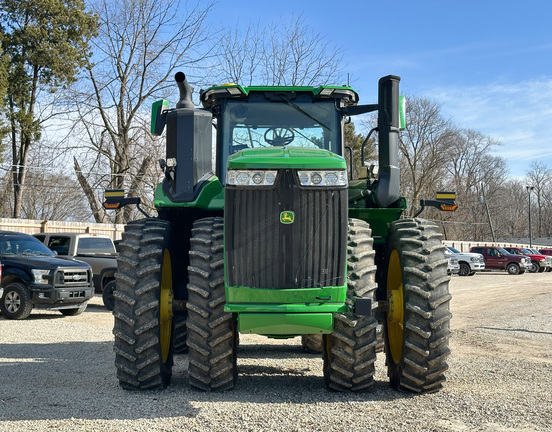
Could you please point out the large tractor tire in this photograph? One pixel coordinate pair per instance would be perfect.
(350, 351)
(212, 333)
(180, 334)
(312, 344)
(417, 328)
(143, 306)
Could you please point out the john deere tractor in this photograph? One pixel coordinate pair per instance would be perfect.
(262, 229)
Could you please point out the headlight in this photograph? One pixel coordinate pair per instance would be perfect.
(251, 177)
(40, 276)
(322, 178)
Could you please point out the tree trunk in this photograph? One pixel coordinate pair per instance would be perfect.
(95, 205)
(137, 183)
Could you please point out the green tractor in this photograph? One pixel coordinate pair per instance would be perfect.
(265, 231)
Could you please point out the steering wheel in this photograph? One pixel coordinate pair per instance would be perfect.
(280, 136)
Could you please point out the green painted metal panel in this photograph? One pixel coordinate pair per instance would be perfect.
(379, 218)
(285, 324)
(210, 197)
(289, 157)
(304, 296)
(284, 308)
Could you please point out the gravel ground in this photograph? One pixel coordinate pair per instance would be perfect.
(58, 373)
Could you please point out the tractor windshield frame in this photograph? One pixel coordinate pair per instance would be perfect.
(277, 120)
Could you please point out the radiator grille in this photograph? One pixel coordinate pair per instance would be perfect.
(68, 277)
(261, 252)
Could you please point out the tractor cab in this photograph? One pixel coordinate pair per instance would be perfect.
(276, 117)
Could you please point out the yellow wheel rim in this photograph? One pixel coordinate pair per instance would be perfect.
(165, 306)
(395, 316)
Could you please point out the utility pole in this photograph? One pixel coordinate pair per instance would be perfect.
(483, 200)
(529, 190)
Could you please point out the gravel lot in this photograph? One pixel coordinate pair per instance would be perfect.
(58, 373)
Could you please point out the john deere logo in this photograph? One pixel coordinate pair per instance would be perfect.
(287, 217)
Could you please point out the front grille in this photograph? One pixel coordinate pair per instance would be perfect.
(72, 277)
(262, 252)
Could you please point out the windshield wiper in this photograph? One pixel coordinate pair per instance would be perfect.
(302, 111)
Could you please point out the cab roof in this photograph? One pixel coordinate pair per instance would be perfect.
(212, 96)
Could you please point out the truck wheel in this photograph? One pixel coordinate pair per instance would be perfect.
(349, 352)
(312, 344)
(107, 295)
(16, 301)
(143, 306)
(74, 311)
(417, 326)
(535, 267)
(212, 333)
(513, 269)
(465, 270)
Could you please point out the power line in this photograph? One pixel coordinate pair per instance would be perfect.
(46, 169)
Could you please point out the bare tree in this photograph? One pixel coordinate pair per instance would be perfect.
(280, 53)
(422, 149)
(539, 177)
(52, 196)
(140, 45)
(50, 193)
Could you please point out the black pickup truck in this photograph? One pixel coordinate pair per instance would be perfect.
(32, 276)
(96, 250)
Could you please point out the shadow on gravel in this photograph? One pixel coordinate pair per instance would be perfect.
(97, 308)
(268, 350)
(77, 380)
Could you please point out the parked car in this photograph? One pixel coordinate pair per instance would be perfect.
(469, 262)
(545, 251)
(453, 265)
(34, 277)
(548, 258)
(96, 250)
(497, 258)
(538, 261)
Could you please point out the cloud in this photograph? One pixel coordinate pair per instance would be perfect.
(519, 115)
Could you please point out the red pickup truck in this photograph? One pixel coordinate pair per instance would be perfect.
(497, 258)
(538, 261)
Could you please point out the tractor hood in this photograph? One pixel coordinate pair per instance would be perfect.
(286, 157)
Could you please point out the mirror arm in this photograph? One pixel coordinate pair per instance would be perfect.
(358, 109)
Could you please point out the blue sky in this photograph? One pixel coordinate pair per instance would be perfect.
(488, 63)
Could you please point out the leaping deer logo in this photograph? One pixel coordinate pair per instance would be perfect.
(287, 217)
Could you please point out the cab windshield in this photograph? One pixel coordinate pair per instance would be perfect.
(263, 123)
(22, 244)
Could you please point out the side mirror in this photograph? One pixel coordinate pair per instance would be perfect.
(159, 116)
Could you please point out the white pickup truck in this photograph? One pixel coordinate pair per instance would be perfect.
(96, 250)
(469, 262)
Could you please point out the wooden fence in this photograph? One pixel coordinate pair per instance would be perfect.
(114, 231)
(30, 226)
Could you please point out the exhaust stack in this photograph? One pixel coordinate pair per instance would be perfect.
(185, 91)
(387, 187)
